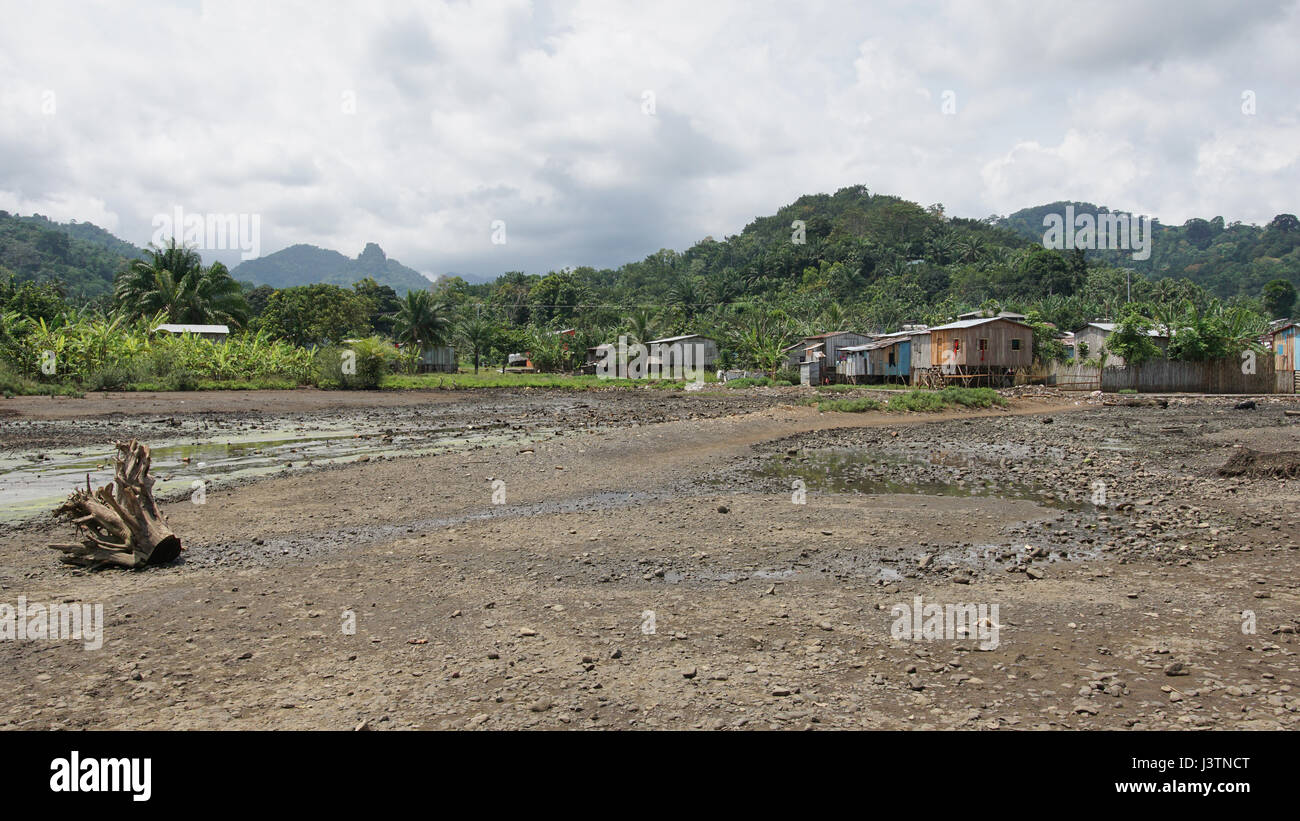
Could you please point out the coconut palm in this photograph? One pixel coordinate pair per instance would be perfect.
(422, 320)
(173, 281)
(642, 326)
(476, 333)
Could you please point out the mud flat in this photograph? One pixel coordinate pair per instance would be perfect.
(654, 560)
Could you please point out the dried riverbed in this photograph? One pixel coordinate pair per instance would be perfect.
(647, 560)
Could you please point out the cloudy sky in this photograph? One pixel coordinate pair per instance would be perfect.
(598, 132)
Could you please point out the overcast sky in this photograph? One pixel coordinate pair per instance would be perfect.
(416, 125)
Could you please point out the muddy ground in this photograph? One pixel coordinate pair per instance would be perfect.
(669, 560)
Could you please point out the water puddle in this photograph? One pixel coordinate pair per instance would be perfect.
(927, 472)
(30, 487)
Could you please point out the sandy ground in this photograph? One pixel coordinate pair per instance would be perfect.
(661, 570)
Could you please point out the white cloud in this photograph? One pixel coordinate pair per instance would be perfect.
(466, 112)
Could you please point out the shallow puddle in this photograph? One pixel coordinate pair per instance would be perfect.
(931, 473)
(29, 487)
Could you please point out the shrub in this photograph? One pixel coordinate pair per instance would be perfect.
(357, 365)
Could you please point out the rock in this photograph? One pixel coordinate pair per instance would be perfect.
(1035, 573)
(723, 509)
(1177, 669)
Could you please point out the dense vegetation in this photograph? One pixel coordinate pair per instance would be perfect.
(851, 260)
(81, 258)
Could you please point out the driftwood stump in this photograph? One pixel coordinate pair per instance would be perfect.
(124, 529)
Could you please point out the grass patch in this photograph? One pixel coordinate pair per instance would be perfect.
(209, 385)
(918, 401)
(850, 405)
(928, 401)
(758, 382)
(1127, 391)
(494, 379)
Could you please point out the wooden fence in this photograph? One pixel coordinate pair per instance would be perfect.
(1168, 376)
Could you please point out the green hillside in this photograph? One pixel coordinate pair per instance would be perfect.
(307, 264)
(80, 257)
(1227, 259)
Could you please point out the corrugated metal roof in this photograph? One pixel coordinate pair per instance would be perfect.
(1109, 327)
(832, 333)
(971, 323)
(679, 338)
(194, 329)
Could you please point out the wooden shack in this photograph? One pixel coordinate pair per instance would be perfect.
(689, 351)
(1284, 348)
(853, 366)
(890, 359)
(981, 351)
(828, 350)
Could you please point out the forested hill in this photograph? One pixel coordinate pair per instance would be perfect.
(81, 256)
(881, 257)
(307, 264)
(1226, 258)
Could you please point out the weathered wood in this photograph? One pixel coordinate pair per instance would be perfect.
(120, 524)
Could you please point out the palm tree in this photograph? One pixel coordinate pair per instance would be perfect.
(833, 317)
(476, 333)
(642, 326)
(422, 320)
(971, 248)
(685, 294)
(173, 281)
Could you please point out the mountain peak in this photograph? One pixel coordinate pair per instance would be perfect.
(372, 254)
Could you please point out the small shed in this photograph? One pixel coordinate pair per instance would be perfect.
(834, 341)
(1097, 334)
(853, 368)
(692, 351)
(810, 371)
(216, 333)
(437, 358)
(828, 348)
